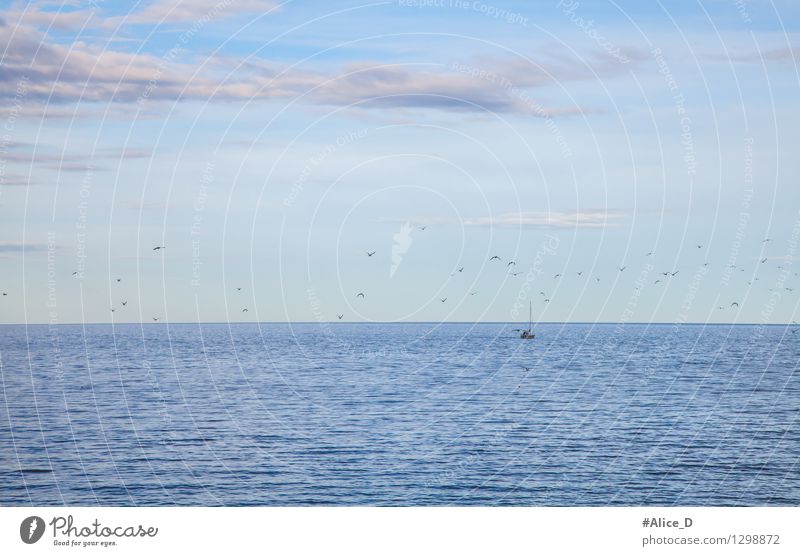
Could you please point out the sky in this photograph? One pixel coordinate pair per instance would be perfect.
(625, 161)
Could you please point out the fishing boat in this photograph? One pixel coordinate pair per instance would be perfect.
(528, 334)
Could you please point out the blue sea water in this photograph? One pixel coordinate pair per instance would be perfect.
(399, 414)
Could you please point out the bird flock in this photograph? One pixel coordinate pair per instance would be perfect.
(511, 266)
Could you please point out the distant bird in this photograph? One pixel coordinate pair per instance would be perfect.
(244, 310)
(511, 263)
(764, 260)
(705, 264)
(119, 279)
(621, 268)
(238, 289)
(461, 269)
(112, 309)
(556, 276)
(665, 274)
(579, 273)
(156, 319)
(515, 273)
(370, 253)
(422, 228)
(699, 246)
(674, 273)
(541, 293)
(124, 303)
(5, 293)
(766, 240)
(547, 301)
(340, 316)
(443, 299)
(720, 307)
(789, 289)
(597, 279)
(495, 257)
(648, 254)
(734, 304)
(157, 248)
(360, 294)
(473, 293)
(75, 273)
(657, 281)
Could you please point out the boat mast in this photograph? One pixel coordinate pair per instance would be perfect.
(530, 315)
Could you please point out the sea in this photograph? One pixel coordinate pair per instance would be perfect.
(418, 414)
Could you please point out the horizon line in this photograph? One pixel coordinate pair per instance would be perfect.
(692, 323)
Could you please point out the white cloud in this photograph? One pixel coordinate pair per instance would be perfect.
(550, 220)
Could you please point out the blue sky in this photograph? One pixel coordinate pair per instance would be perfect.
(269, 146)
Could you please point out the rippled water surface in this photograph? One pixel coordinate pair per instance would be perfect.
(400, 414)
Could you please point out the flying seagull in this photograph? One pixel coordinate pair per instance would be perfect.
(494, 257)
(119, 279)
(734, 304)
(158, 247)
(124, 303)
(764, 260)
(657, 281)
(244, 310)
(699, 246)
(370, 253)
(360, 294)
(674, 273)
(422, 228)
(75, 273)
(556, 276)
(579, 273)
(156, 319)
(547, 301)
(461, 269)
(511, 263)
(648, 254)
(766, 240)
(340, 316)
(473, 293)
(515, 273)
(443, 299)
(238, 289)
(621, 268)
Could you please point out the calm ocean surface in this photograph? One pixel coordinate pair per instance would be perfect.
(400, 414)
